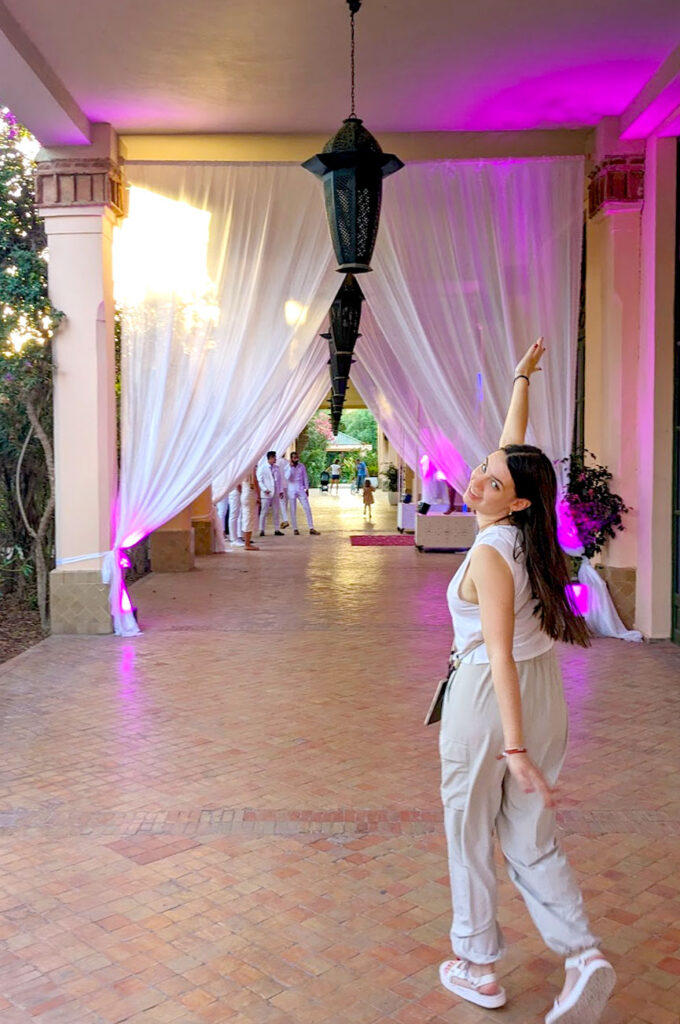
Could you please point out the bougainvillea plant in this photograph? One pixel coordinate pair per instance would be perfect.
(597, 513)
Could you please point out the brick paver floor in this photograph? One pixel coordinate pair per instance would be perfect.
(235, 817)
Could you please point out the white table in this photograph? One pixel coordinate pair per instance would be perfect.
(406, 515)
(455, 532)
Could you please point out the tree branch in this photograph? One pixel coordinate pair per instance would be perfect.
(43, 438)
(17, 485)
(49, 459)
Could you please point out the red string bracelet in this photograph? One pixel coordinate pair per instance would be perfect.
(511, 750)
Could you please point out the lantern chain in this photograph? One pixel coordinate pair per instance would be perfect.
(354, 6)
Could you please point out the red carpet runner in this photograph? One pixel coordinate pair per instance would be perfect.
(382, 540)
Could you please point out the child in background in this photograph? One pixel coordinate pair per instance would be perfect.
(368, 498)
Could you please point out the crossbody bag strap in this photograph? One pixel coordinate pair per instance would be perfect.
(455, 658)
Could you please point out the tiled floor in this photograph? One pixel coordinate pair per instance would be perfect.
(235, 817)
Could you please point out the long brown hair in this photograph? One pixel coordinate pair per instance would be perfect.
(534, 478)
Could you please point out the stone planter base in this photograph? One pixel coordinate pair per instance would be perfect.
(79, 602)
(172, 551)
(202, 537)
(621, 586)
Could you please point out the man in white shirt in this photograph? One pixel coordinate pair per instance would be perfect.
(298, 490)
(270, 492)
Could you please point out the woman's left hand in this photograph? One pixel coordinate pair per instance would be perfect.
(528, 364)
(530, 778)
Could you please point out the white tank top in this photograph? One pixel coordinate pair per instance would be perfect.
(529, 641)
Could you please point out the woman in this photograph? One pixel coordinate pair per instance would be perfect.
(250, 500)
(334, 471)
(504, 726)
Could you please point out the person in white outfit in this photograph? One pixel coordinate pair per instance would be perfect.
(503, 729)
(250, 497)
(298, 490)
(335, 469)
(235, 528)
(283, 465)
(269, 479)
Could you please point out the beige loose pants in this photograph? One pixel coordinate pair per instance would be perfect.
(480, 797)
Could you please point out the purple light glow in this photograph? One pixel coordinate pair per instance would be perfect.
(567, 534)
(567, 97)
(444, 458)
(578, 595)
(662, 108)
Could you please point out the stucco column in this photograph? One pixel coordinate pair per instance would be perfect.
(613, 235)
(629, 366)
(79, 196)
(655, 390)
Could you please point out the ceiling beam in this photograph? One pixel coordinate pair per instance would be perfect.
(32, 91)
(656, 108)
(411, 146)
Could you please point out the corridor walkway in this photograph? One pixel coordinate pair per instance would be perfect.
(235, 817)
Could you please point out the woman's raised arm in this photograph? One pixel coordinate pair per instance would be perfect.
(515, 426)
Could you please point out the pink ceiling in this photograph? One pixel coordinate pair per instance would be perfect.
(281, 65)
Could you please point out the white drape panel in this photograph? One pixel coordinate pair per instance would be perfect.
(474, 260)
(293, 406)
(409, 422)
(209, 352)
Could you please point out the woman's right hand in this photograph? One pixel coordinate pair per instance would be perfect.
(528, 364)
(530, 778)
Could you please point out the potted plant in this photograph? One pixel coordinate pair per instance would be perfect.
(595, 512)
(390, 483)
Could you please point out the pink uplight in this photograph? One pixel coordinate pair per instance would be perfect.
(125, 562)
(125, 603)
(567, 534)
(578, 595)
(439, 475)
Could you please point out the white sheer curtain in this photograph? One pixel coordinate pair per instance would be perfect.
(224, 274)
(293, 407)
(474, 260)
(409, 422)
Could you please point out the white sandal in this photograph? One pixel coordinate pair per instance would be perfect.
(452, 972)
(588, 998)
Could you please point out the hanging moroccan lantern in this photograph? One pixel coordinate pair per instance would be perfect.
(344, 316)
(352, 167)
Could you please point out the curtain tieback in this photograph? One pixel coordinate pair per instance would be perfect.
(82, 558)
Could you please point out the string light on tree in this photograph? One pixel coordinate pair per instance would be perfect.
(27, 325)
